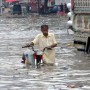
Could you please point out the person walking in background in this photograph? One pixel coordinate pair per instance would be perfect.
(45, 40)
(61, 9)
(28, 8)
(41, 9)
(65, 8)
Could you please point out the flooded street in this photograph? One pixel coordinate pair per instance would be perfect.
(72, 69)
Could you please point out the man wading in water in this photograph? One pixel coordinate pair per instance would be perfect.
(45, 40)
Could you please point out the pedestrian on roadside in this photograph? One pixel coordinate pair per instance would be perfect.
(41, 9)
(45, 40)
(61, 9)
(28, 8)
(65, 8)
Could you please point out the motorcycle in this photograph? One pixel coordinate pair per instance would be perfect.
(33, 57)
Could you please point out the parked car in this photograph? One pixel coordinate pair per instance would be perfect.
(17, 9)
(53, 9)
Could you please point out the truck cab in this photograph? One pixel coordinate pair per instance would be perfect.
(81, 24)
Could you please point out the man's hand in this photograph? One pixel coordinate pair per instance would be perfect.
(28, 45)
(48, 48)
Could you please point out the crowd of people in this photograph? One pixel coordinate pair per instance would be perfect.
(60, 9)
(27, 8)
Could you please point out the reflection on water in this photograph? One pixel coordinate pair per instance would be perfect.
(72, 67)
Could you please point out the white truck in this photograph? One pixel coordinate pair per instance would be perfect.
(81, 24)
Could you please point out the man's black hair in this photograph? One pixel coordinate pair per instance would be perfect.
(44, 26)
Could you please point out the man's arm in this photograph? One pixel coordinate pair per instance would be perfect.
(35, 41)
(31, 44)
(54, 42)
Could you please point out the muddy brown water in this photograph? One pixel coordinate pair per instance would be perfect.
(72, 67)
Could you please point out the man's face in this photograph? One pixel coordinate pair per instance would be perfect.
(44, 31)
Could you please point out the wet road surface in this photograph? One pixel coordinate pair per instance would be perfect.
(72, 69)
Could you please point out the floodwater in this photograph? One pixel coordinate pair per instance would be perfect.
(71, 70)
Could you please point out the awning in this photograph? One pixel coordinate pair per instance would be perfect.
(12, 0)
